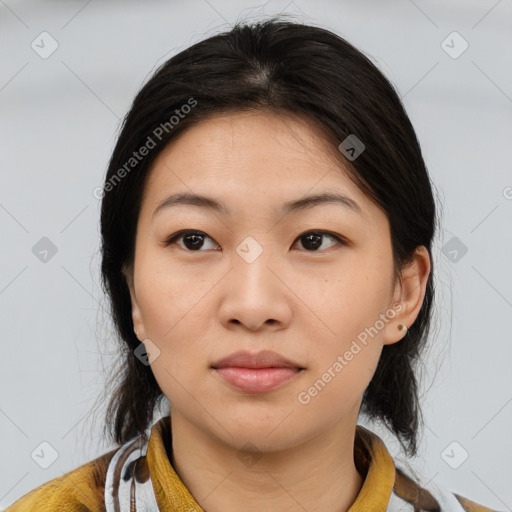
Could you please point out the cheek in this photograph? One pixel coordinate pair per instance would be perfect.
(180, 366)
(346, 306)
(170, 299)
(347, 330)
(174, 325)
(337, 382)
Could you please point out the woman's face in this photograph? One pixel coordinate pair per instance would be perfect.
(263, 276)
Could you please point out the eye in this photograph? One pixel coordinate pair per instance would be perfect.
(313, 239)
(193, 240)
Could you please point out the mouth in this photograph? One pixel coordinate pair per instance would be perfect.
(264, 359)
(256, 373)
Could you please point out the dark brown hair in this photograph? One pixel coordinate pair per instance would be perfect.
(287, 68)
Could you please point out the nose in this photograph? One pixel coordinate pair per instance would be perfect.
(254, 296)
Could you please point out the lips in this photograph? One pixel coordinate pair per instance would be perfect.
(256, 373)
(264, 359)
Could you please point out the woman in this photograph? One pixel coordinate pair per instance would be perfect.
(267, 223)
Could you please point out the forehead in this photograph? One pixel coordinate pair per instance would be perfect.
(248, 145)
(263, 156)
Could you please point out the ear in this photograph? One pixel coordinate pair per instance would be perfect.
(138, 324)
(408, 295)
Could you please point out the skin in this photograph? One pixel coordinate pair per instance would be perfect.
(306, 304)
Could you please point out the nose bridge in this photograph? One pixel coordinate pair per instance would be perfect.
(254, 266)
(252, 260)
(250, 250)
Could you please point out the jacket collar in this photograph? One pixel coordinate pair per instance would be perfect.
(371, 458)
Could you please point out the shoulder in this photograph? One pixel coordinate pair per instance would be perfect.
(80, 490)
(409, 492)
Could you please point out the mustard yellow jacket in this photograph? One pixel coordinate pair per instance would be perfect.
(138, 476)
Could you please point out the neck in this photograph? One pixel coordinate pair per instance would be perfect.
(317, 475)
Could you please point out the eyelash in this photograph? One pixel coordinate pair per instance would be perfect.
(180, 234)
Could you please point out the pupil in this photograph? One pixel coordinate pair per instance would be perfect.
(197, 241)
(317, 240)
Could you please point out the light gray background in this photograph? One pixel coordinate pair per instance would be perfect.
(58, 126)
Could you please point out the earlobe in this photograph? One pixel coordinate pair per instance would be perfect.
(409, 294)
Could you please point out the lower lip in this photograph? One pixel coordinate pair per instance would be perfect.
(256, 380)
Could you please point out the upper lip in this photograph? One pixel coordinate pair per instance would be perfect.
(264, 359)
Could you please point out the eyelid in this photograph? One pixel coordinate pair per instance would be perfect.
(171, 239)
(339, 238)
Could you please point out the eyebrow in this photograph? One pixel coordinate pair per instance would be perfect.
(288, 207)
